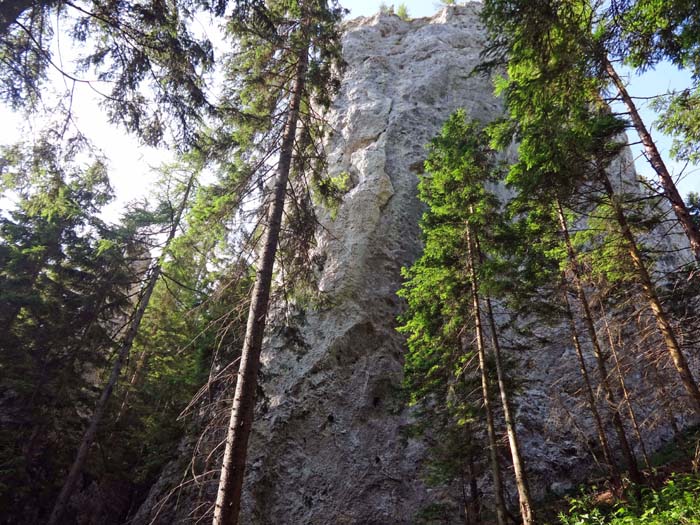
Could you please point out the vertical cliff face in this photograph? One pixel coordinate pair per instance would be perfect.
(331, 446)
(330, 443)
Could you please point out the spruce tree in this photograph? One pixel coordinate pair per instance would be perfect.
(564, 45)
(145, 52)
(65, 286)
(567, 137)
(125, 343)
(289, 52)
(463, 215)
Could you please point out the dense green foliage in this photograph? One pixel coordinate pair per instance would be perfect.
(572, 221)
(65, 281)
(457, 168)
(680, 119)
(466, 261)
(645, 33)
(439, 369)
(70, 283)
(676, 503)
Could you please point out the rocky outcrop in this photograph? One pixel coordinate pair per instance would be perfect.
(330, 444)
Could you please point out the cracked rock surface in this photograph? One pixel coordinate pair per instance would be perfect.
(332, 446)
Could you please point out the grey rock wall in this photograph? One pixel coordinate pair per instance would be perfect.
(332, 446)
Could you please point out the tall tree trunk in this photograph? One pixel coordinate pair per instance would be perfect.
(475, 500)
(469, 480)
(630, 460)
(623, 385)
(666, 398)
(228, 499)
(590, 397)
(657, 162)
(485, 390)
(662, 321)
(135, 379)
(527, 512)
(128, 341)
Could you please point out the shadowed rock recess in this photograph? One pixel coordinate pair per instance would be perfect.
(330, 443)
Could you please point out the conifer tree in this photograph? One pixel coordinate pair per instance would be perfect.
(624, 389)
(459, 167)
(402, 12)
(647, 33)
(544, 274)
(590, 397)
(145, 52)
(289, 52)
(551, 43)
(568, 139)
(601, 361)
(64, 283)
(125, 344)
(189, 342)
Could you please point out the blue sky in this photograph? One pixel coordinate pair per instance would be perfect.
(416, 8)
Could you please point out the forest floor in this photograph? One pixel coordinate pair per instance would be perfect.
(670, 495)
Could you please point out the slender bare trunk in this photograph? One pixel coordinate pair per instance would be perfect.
(470, 498)
(590, 396)
(662, 321)
(657, 162)
(128, 341)
(625, 391)
(527, 512)
(135, 379)
(666, 398)
(89, 436)
(485, 393)
(475, 503)
(630, 460)
(228, 499)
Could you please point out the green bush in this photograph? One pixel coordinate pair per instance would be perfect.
(402, 13)
(676, 503)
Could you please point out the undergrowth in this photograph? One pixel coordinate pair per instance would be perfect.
(677, 502)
